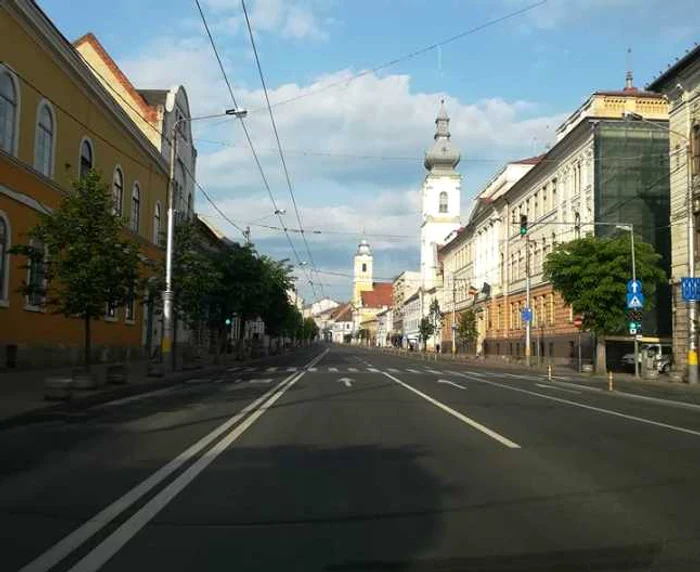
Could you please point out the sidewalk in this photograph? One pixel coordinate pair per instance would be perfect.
(659, 388)
(22, 392)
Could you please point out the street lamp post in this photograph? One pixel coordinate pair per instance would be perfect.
(168, 356)
(692, 359)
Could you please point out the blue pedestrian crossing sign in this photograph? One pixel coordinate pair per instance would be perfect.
(635, 301)
(690, 289)
(526, 314)
(634, 287)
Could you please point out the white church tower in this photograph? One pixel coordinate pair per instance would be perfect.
(363, 272)
(440, 197)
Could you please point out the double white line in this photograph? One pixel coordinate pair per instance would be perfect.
(115, 541)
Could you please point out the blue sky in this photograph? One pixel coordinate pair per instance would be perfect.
(355, 150)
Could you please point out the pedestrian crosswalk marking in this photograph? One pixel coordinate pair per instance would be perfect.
(332, 369)
(271, 369)
(412, 370)
(432, 370)
(250, 369)
(393, 369)
(477, 374)
(353, 369)
(313, 369)
(373, 370)
(291, 369)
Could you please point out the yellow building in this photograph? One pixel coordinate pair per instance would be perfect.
(56, 121)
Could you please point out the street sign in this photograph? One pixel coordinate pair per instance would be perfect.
(527, 314)
(634, 328)
(690, 289)
(634, 287)
(578, 321)
(638, 337)
(454, 327)
(635, 301)
(633, 331)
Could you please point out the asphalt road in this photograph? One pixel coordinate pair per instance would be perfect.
(341, 459)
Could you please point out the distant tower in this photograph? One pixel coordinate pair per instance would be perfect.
(440, 196)
(362, 280)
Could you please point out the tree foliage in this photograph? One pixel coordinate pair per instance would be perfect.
(426, 328)
(435, 316)
(466, 327)
(87, 261)
(592, 273)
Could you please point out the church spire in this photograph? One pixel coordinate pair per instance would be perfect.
(629, 79)
(442, 156)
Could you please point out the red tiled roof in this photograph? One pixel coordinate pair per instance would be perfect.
(381, 295)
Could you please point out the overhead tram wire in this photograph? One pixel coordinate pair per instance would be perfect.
(252, 147)
(408, 56)
(279, 144)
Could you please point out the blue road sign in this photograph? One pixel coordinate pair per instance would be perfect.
(635, 301)
(526, 314)
(634, 287)
(690, 289)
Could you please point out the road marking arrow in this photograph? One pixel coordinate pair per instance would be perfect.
(347, 381)
(451, 383)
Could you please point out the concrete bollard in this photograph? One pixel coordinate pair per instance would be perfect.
(610, 381)
(549, 372)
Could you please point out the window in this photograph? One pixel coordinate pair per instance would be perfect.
(4, 257)
(8, 111)
(44, 140)
(117, 191)
(536, 208)
(36, 280)
(156, 224)
(86, 157)
(364, 267)
(443, 202)
(130, 307)
(135, 207)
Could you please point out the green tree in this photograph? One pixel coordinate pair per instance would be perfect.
(426, 328)
(435, 316)
(592, 273)
(87, 263)
(310, 329)
(466, 327)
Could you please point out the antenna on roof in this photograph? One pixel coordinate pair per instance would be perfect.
(629, 80)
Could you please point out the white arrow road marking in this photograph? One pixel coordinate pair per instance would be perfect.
(463, 418)
(451, 383)
(266, 380)
(347, 381)
(333, 369)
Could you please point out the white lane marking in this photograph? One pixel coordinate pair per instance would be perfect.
(373, 370)
(542, 385)
(347, 381)
(99, 555)
(138, 397)
(451, 383)
(473, 373)
(593, 408)
(411, 370)
(291, 369)
(392, 369)
(352, 369)
(333, 369)
(433, 371)
(475, 424)
(266, 380)
(271, 369)
(75, 539)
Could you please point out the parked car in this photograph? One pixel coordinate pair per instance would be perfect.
(662, 354)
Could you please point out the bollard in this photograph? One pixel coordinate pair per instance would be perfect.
(549, 372)
(610, 381)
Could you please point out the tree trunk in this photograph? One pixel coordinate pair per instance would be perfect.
(87, 343)
(600, 365)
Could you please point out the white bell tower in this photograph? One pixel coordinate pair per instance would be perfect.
(440, 197)
(362, 280)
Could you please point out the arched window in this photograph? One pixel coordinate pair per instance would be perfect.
(443, 202)
(44, 140)
(156, 224)
(86, 157)
(4, 257)
(135, 207)
(117, 191)
(9, 103)
(364, 267)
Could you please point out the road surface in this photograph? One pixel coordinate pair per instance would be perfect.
(342, 459)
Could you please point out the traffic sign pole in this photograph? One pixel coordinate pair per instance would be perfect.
(634, 280)
(527, 301)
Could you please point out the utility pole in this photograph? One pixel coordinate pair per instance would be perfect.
(454, 323)
(528, 349)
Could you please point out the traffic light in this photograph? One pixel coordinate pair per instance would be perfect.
(228, 321)
(523, 225)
